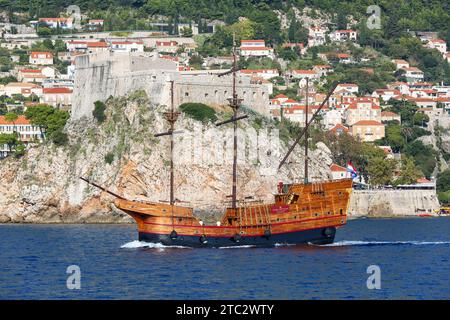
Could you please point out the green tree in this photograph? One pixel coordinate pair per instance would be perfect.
(12, 117)
(99, 111)
(420, 119)
(409, 172)
(381, 170)
(186, 32)
(48, 119)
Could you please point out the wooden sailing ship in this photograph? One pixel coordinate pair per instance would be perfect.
(308, 212)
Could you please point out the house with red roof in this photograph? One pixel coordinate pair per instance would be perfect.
(338, 172)
(170, 46)
(316, 36)
(438, 44)
(281, 97)
(57, 97)
(323, 69)
(24, 129)
(339, 129)
(255, 48)
(368, 130)
(351, 87)
(385, 94)
(41, 58)
(362, 108)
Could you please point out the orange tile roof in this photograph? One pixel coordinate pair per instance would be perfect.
(336, 168)
(339, 126)
(21, 120)
(256, 48)
(56, 90)
(367, 123)
(35, 54)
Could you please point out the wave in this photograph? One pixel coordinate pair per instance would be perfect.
(384, 243)
(142, 244)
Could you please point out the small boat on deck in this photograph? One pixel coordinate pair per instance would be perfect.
(308, 212)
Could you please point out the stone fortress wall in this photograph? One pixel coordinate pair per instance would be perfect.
(107, 74)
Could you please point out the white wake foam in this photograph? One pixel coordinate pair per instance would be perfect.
(238, 247)
(142, 244)
(384, 243)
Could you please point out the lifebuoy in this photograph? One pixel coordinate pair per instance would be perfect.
(203, 239)
(173, 235)
(237, 237)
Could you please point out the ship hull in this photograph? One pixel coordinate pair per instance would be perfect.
(319, 236)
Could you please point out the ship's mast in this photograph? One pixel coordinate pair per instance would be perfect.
(306, 132)
(234, 103)
(171, 117)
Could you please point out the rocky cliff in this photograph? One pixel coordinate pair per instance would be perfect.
(123, 155)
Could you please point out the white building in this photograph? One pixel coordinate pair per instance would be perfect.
(23, 88)
(439, 45)
(385, 94)
(316, 36)
(303, 74)
(343, 35)
(41, 58)
(127, 46)
(362, 109)
(35, 75)
(338, 172)
(57, 97)
(167, 46)
(263, 73)
(350, 87)
(255, 48)
(331, 118)
(24, 129)
(414, 74)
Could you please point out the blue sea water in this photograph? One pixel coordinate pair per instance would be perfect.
(413, 256)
